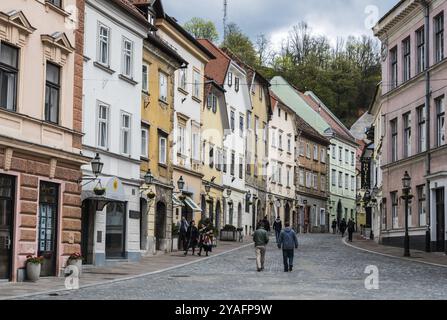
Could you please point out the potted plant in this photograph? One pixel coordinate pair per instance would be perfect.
(151, 194)
(228, 233)
(99, 191)
(75, 259)
(33, 267)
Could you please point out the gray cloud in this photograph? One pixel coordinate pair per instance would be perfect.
(333, 18)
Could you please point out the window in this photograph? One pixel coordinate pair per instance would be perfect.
(439, 37)
(334, 152)
(9, 57)
(308, 180)
(334, 178)
(52, 93)
(144, 142)
(323, 183)
(241, 126)
(394, 210)
(347, 181)
(420, 42)
(182, 79)
(422, 126)
(162, 150)
(289, 144)
(196, 146)
(323, 155)
(280, 173)
(407, 135)
(301, 148)
(145, 78)
(125, 133)
(394, 140)
(241, 168)
(301, 176)
(248, 120)
(340, 154)
(322, 217)
(352, 183)
(340, 180)
(421, 206)
(308, 153)
(280, 140)
(57, 3)
(261, 92)
(315, 152)
(315, 181)
(286, 114)
(197, 91)
(163, 86)
(352, 159)
(127, 58)
(104, 45)
(211, 156)
(279, 112)
(232, 124)
(346, 156)
(103, 125)
(219, 159)
(256, 127)
(181, 140)
(233, 164)
(394, 79)
(236, 84)
(406, 48)
(212, 102)
(224, 160)
(274, 138)
(289, 170)
(440, 122)
(230, 79)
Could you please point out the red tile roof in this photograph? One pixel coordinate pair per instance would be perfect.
(216, 69)
(129, 6)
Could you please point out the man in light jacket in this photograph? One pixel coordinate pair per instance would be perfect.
(261, 239)
(288, 241)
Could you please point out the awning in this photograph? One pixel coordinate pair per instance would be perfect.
(114, 190)
(190, 203)
(176, 202)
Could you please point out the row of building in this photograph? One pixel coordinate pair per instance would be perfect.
(406, 131)
(116, 122)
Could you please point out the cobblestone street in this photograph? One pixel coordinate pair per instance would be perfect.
(324, 269)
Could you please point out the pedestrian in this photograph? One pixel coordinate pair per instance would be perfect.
(266, 224)
(351, 229)
(288, 241)
(261, 239)
(334, 227)
(205, 242)
(183, 230)
(192, 236)
(277, 226)
(343, 227)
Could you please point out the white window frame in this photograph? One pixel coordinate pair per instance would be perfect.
(106, 40)
(163, 86)
(197, 85)
(144, 142)
(145, 78)
(181, 140)
(183, 74)
(123, 131)
(162, 153)
(104, 121)
(195, 148)
(127, 53)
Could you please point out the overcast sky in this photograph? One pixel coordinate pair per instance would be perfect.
(333, 18)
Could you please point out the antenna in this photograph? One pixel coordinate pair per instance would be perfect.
(225, 18)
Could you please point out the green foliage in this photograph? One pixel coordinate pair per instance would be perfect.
(229, 228)
(239, 43)
(202, 29)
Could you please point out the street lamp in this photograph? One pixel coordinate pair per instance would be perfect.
(228, 192)
(181, 183)
(406, 188)
(148, 177)
(207, 188)
(97, 165)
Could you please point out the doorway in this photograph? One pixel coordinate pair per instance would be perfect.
(287, 213)
(7, 186)
(88, 229)
(115, 230)
(48, 222)
(143, 224)
(239, 215)
(440, 220)
(160, 225)
(218, 209)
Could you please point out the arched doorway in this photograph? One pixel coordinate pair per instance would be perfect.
(218, 210)
(287, 213)
(143, 224)
(160, 224)
(239, 215)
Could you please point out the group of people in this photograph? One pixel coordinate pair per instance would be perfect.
(343, 227)
(192, 237)
(286, 240)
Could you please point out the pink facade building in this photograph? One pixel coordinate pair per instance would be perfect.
(414, 86)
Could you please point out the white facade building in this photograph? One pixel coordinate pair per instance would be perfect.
(114, 36)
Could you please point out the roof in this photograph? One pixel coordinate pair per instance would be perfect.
(129, 7)
(217, 68)
(159, 43)
(290, 97)
(358, 129)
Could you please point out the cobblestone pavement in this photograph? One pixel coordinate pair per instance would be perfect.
(324, 269)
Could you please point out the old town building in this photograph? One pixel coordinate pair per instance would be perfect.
(41, 46)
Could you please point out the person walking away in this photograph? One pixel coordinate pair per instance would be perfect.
(266, 224)
(261, 239)
(343, 227)
(205, 242)
(192, 238)
(334, 227)
(351, 229)
(183, 230)
(277, 226)
(288, 241)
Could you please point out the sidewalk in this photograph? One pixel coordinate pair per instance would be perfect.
(434, 258)
(93, 276)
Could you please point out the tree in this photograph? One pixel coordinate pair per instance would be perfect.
(202, 29)
(264, 51)
(239, 43)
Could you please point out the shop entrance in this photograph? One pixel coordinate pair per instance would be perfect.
(115, 230)
(6, 225)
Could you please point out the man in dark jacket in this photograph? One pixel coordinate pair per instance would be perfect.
(266, 224)
(343, 227)
(261, 239)
(183, 226)
(288, 241)
(192, 236)
(351, 229)
(277, 226)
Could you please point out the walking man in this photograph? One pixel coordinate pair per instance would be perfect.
(266, 224)
(277, 226)
(184, 225)
(288, 241)
(261, 239)
(343, 227)
(334, 226)
(351, 229)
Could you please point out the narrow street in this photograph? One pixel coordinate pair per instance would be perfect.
(325, 268)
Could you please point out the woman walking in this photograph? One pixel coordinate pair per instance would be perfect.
(206, 242)
(192, 238)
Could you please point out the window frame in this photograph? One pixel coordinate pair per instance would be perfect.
(123, 130)
(145, 154)
(407, 134)
(163, 75)
(420, 50)
(406, 54)
(9, 69)
(440, 116)
(145, 78)
(107, 43)
(422, 128)
(106, 122)
(438, 32)
(49, 88)
(127, 53)
(162, 157)
(394, 68)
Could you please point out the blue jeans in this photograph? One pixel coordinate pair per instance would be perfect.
(277, 233)
(288, 258)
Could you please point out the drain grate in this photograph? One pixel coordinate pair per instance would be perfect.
(180, 276)
(54, 294)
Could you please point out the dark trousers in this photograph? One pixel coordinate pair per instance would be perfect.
(277, 233)
(350, 235)
(288, 258)
(184, 241)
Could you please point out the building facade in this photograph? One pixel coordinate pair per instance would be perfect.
(113, 58)
(40, 140)
(413, 105)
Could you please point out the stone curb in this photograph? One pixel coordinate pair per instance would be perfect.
(127, 278)
(394, 257)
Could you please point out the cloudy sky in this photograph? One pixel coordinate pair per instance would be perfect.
(333, 18)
